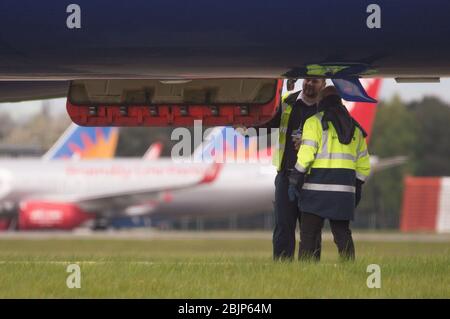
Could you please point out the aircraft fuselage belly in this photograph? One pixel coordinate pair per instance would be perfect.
(171, 39)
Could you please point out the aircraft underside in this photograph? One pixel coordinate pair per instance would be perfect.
(167, 62)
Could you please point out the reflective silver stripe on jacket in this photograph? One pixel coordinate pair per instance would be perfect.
(310, 143)
(300, 168)
(344, 156)
(361, 177)
(324, 153)
(329, 187)
(362, 154)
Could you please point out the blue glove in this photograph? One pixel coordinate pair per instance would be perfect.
(293, 193)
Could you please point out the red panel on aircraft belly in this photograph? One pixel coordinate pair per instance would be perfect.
(48, 215)
(175, 115)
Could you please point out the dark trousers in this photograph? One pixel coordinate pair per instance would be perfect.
(311, 227)
(286, 214)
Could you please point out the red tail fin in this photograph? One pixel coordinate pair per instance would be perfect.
(154, 152)
(365, 113)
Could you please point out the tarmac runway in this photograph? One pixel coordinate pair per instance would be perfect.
(151, 234)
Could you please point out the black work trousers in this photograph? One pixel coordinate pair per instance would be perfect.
(311, 227)
(286, 214)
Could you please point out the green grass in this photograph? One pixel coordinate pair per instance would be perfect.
(217, 269)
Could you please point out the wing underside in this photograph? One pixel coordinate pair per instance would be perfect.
(17, 91)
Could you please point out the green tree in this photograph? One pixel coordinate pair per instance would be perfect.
(394, 134)
(42, 129)
(6, 125)
(432, 147)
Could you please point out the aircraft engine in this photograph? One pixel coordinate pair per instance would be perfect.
(36, 215)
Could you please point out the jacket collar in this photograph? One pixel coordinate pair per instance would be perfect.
(292, 98)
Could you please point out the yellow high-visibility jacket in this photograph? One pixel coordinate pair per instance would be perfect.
(331, 169)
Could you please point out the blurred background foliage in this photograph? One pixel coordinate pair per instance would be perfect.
(419, 130)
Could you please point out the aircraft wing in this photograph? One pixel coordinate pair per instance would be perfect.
(17, 91)
(117, 204)
(380, 164)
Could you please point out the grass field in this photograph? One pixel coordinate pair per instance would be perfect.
(202, 268)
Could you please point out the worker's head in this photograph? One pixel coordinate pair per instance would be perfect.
(312, 87)
(327, 91)
(290, 84)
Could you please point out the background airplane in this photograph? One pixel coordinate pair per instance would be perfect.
(76, 143)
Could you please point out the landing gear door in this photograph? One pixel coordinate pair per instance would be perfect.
(173, 102)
